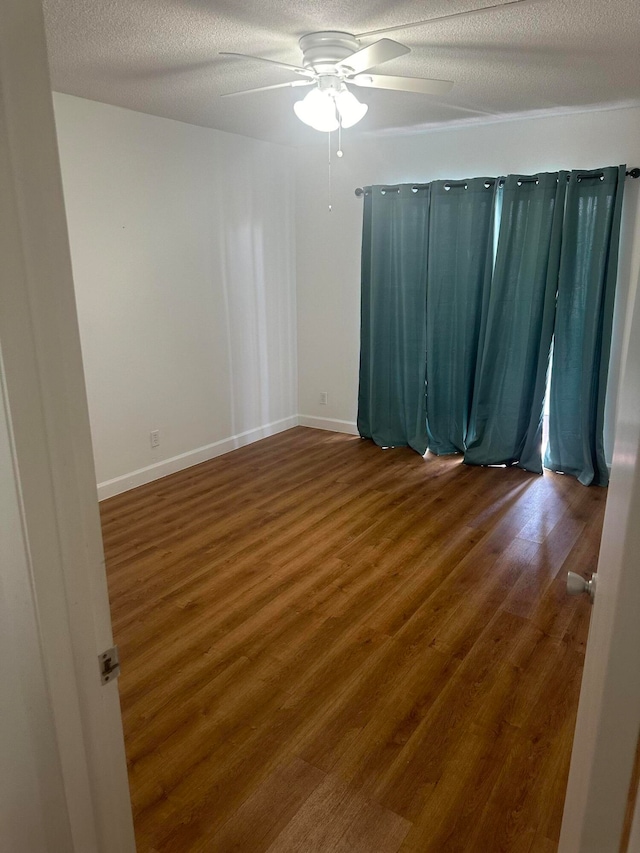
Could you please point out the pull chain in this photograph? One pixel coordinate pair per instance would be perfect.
(339, 153)
(330, 187)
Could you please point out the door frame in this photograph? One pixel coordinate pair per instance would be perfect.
(608, 722)
(51, 443)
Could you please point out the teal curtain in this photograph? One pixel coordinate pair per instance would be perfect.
(455, 337)
(391, 398)
(459, 267)
(517, 325)
(586, 287)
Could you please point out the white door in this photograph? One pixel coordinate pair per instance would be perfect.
(609, 711)
(58, 572)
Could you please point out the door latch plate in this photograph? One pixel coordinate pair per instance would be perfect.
(109, 665)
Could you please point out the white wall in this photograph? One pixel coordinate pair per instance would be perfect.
(188, 245)
(328, 246)
(183, 250)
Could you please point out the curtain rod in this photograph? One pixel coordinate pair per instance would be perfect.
(631, 173)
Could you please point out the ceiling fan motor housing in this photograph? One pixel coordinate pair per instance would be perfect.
(322, 51)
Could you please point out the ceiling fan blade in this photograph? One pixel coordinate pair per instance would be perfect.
(374, 54)
(296, 68)
(439, 18)
(420, 85)
(265, 88)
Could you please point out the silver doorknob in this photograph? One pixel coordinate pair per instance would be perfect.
(577, 584)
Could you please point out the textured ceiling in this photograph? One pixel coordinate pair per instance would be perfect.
(161, 57)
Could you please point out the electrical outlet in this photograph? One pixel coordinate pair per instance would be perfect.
(154, 437)
(324, 398)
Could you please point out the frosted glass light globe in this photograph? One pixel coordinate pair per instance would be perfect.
(318, 110)
(350, 108)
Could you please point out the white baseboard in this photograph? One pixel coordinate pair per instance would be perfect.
(330, 424)
(185, 460)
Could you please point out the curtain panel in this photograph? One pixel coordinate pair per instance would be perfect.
(458, 272)
(391, 398)
(586, 291)
(517, 325)
(466, 288)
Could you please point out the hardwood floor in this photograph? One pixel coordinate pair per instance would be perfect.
(330, 647)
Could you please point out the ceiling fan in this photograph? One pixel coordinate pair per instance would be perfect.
(332, 59)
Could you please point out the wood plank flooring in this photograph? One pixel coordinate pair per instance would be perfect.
(330, 647)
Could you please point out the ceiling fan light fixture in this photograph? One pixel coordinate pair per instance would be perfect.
(327, 107)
